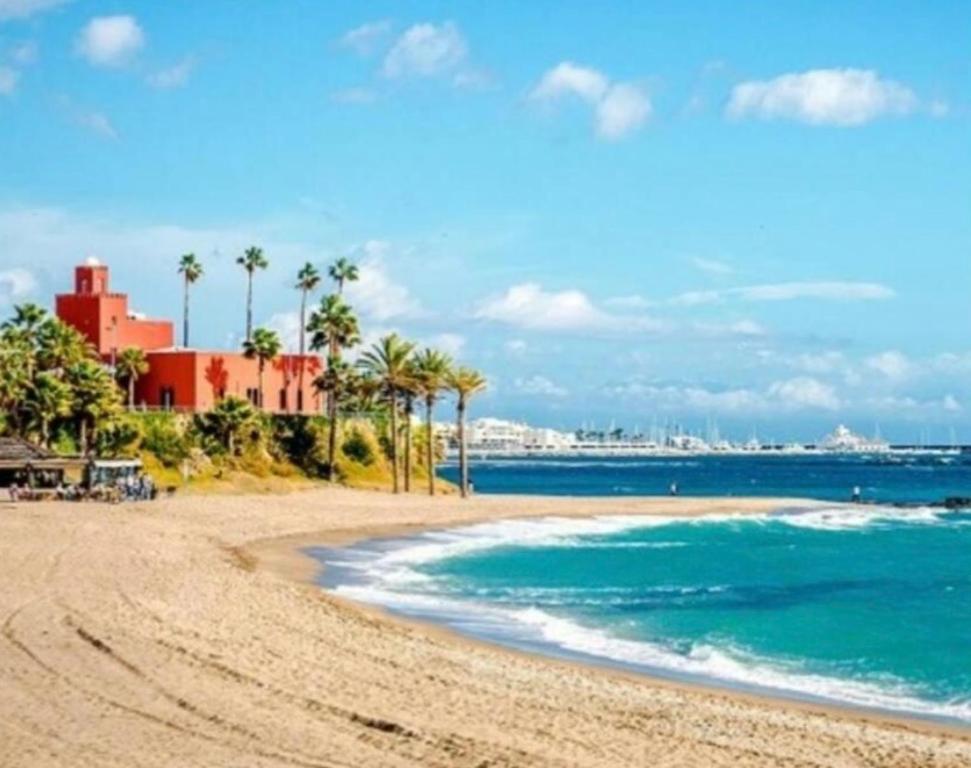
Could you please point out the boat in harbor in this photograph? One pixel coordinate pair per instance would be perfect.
(843, 440)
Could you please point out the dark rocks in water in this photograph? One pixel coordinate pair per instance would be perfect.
(958, 502)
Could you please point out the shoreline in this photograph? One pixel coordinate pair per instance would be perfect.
(290, 557)
(189, 632)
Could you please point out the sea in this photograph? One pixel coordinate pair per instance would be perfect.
(862, 605)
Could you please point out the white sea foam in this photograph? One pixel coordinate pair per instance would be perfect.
(532, 626)
(850, 517)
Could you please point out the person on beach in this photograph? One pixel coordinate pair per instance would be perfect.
(856, 494)
(674, 489)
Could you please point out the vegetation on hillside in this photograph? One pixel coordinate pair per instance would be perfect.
(56, 391)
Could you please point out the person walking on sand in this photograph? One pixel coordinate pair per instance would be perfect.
(674, 489)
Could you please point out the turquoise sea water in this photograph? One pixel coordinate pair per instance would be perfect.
(864, 605)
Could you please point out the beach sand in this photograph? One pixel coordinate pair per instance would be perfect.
(187, 633)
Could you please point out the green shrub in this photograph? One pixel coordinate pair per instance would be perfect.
(120, 437)
(166, 437)
(357, 447)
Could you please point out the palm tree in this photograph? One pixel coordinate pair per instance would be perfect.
(387, 361)
(264, 346)
(15, 378)
(252, 260)
(49, 399)
(26, 323)
(337, 381)
(27, 317)
(465, 383)
(96, 398)
(342, 271)
(409, 391)
(59, 346)
(132, 365)
(227, 419)
(308, 278)
(431, 370)
(333, 327)
(191, 270)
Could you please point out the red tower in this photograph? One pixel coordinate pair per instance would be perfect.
(104, 317)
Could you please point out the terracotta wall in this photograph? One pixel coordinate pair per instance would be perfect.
(193, 380)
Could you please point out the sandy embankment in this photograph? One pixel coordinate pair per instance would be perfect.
(176, 634)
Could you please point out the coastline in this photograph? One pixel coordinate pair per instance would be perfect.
(292, 558)
(190, 631)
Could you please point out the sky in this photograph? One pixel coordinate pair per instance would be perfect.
(755, 214)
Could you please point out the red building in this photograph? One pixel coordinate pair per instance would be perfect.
(179, 378)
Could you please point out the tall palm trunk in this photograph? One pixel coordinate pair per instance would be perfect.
(394, 442)
(409, 408)
(259, 376)
(463, 459)
(131, 393)
(332, 439)
(430, 446)
(303, 332)
(249, 305)
(185, 314)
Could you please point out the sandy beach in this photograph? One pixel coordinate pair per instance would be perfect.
(187, 632)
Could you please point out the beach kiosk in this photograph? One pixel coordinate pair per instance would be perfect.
(32, 466)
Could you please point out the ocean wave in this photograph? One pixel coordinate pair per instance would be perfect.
(401, 562)
(529, 627)
(850, 517)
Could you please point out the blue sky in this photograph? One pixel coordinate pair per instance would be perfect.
(756, 212)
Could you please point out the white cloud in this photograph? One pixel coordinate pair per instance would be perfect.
(539, 385)
(624, 109)
(374, 294)
(22, 9)
(907, 405)
(782, 396)
(175, 76)
(619, 108)
(824, 291)
(449, 343)
(8, 80)
(108, 41)
(287, 326)
(712, 266)
(892, 364)
(15, 284)
(805, 392)
(354, 96)
(366, 38)
(830, 291)
(843, 97)
(426, 50)
(569, 78)
(736, 328)
(672, 397)
(821, 362)
(527, 305)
